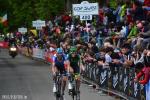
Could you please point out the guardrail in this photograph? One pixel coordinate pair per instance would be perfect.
(119, 80)
(37, 53)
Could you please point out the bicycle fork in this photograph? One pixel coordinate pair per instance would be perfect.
(73, 88)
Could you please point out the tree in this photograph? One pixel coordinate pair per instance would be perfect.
(23, 12)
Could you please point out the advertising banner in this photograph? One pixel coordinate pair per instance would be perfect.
(49, 56)
(84, 9)
(38, 53)
(22, 30)
(120, 79)
(103, 78)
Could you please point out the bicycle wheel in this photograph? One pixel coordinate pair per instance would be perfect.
(60, 92)
(61, 97)
(58, 87)
(73, 93)
(57, 94)
(77, 91)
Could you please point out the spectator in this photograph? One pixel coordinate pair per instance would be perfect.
(109, 51)
(144, 70)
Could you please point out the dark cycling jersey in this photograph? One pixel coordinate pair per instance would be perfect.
(74, 63)
(60, 64)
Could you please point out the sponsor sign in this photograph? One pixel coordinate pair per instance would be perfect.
(38, 24)
(85, 8)
(85, 17)
(22, 30)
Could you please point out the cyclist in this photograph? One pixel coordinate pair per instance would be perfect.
(58, 66)
(74, 65)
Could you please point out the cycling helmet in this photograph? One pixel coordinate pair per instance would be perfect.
(59, 50)
(73, 49)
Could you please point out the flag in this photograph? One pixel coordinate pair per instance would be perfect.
(34, 32)
(3, 20)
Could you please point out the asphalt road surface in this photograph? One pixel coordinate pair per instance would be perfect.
(25, 79)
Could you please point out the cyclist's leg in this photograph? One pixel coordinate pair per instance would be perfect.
(55, 81)
(78, 82)
(71, 70)
(77, 77)
(64, 81)
(56, 71)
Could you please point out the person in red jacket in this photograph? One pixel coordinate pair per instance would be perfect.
(147, 3)
(144, 70)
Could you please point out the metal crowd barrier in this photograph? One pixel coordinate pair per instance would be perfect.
(119, 80)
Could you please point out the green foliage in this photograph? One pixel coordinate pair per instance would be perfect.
(23, 12)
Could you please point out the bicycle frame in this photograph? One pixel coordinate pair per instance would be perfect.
(58, 82)
(74, 91)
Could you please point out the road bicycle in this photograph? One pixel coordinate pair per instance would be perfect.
(58, 87)
(74, 91)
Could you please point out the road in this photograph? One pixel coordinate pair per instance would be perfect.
(25, 79)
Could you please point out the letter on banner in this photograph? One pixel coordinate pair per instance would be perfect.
(109, 73)
(121, 77)
(91, 73)
(135, 89)
(103, 76)
(115, 80)
(125, 81)
(94, 74)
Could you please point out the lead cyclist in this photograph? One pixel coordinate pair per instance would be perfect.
(58, 65)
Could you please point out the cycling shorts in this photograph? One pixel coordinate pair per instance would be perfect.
(76, 69)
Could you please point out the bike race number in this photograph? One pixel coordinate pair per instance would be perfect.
(85, 17)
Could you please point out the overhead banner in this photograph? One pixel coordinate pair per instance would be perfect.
(85, 8)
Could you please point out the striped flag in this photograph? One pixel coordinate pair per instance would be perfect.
(3, 20)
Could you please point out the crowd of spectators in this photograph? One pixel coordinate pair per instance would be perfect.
(117, 36)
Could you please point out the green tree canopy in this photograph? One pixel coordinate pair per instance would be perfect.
(23, 12)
